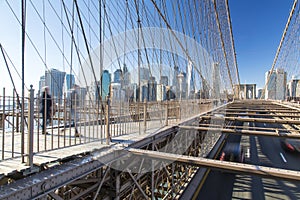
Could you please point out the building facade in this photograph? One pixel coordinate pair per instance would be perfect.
(259, 93)
(144, 74)
(70, 81)
(42, 83)
(164, 80)
(161, 92)
(55, 80)
(117, 94)
(216, 90)
(276, 87)
(117, 76)
(126, 78)
(106, 80)
(293, 88)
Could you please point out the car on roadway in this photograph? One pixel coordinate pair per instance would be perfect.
(233, 152)
(290, 145)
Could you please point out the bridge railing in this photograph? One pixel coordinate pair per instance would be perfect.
(102, 121)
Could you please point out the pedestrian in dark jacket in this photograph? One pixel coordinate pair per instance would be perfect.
(46, 107)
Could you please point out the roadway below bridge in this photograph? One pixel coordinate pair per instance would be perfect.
(259, 150)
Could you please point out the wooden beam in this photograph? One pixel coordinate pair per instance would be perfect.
(260, 120)
(261, 110)
(296, 115)
(288, 106)
(251, 128)
(269, 172)
(275, 133)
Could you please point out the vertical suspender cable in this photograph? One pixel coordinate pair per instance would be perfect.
(87, 47)
(139, 51)
(178, 41)
(23, 82)
(101, 59)
(223, 44)
(11, 78)
(101, 69)
(72, 43)
(233, 48)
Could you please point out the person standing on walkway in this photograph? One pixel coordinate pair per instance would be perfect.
(45, 108)
(75, 105)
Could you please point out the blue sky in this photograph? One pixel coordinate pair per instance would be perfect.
(257, 29)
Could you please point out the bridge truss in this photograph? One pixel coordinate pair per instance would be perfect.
(163, 165)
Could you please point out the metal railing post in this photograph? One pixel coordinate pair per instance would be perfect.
(65, 118)
(167, 113)
(3, 124)
(179, 110)
(145, 116)
(18, 116)
(107, 109)
(13, 128)
(30, 128)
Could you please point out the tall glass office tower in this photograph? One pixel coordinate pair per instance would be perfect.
(55, 80)
(70, 81)
(106, 80)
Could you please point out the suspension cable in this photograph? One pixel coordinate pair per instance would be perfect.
(279, 47)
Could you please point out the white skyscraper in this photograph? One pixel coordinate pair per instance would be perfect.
(189, 77)
(293, 88)
(216, 81)
(161, 92)
(116, 92)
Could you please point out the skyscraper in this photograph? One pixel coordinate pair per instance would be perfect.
(280, 84)
(259, 93)
(152, 84)
(276, 87)
(181, 91)
(116, 92)
(42, 83)
(117, 76)
(164, 80)
(95, 90)
(106, 80)
(70, 81)
(270, 92)
(293, 88)
(161, 92)
(55, 80)
(127, 77)
(82, 95)
(189, 77)
(176, 72)
(216, 81)
(144, 74)
(204, 92)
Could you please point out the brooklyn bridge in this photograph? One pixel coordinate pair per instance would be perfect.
(138, 99)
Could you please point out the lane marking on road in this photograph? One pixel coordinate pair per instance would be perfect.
(283, 158)
(248, 153)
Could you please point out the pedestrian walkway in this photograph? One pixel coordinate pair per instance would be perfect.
(82, 145)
